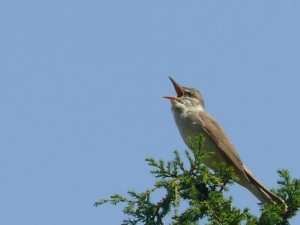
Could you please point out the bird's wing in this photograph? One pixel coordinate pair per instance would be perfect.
(217, 135)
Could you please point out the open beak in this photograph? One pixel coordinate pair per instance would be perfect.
(177, 89)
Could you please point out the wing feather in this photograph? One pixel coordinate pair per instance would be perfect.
(217, 135)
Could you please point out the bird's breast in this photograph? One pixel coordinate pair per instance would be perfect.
(190, 125)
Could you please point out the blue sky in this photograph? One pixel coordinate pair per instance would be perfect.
(81, 107)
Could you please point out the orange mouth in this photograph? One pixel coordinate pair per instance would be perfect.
(178, 90)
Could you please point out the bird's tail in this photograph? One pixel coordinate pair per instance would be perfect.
(262, 193)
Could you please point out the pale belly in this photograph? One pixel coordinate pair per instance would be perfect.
(192, 129)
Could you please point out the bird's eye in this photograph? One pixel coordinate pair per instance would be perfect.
(189, 94)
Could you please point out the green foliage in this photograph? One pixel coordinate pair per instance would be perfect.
(203, 190)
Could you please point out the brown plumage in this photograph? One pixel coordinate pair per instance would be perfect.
(192, 120)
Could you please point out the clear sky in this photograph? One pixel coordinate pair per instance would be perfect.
(81, 107)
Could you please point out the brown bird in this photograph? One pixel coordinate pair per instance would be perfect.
(192, 120)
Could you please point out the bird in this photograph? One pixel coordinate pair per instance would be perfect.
(192, 120)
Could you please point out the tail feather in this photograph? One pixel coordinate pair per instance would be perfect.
(262, 193)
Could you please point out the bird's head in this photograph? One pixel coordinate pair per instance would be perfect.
(187, 99)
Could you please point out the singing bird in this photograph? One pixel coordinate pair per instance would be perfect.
(192, 120)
